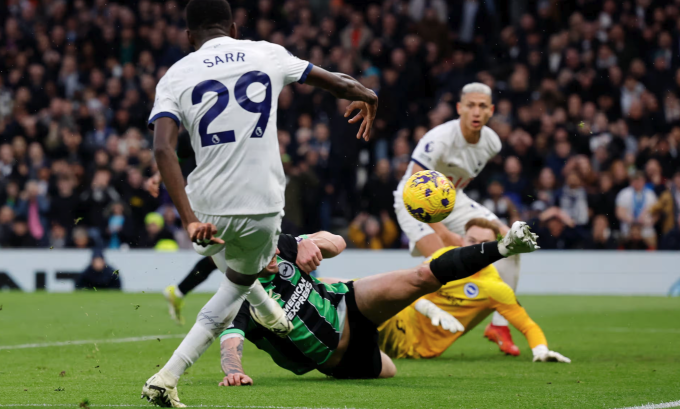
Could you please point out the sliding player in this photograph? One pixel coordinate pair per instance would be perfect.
(428, 327)
(225, 94)
(459, 149)
(336, 324)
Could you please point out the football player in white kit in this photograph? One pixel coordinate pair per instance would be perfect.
(225, 94)
(459, 149)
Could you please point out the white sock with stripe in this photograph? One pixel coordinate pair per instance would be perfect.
(214, 317)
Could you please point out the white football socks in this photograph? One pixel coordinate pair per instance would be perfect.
(214, 317)
(192, 347)
(498, 320)
(260, 300)
(508, 269)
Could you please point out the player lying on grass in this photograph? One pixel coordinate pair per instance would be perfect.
(335, 325)
(426, 328)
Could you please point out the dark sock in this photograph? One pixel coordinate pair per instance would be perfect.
(198, 274)
(464, 261)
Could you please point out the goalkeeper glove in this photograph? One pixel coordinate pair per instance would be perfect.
(439, 317)
(543, 354)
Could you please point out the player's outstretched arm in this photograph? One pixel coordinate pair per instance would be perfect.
(330, 244)
(231, 351)
(508, 307)
(313, 249)
(164, 143)
(345, 87)
(309, 255)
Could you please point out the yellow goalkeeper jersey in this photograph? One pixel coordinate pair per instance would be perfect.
(410, 334)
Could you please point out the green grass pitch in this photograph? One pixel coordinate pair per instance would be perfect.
(625, 352)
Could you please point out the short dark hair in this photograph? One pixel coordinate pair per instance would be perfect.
(206, 14)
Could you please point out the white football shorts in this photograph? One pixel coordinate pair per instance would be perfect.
(249, 241)
(464, 210)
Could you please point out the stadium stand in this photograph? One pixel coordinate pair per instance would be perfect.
(587, 100)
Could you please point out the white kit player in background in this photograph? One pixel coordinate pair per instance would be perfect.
(225, 94)
(459, 149)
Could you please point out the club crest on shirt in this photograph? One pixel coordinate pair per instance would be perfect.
(471, 290)
(286, 270)
(428, 147)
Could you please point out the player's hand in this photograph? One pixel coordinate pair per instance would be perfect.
(203, 233)
(309, 256)
(153, 184)
(439, 317)
(543, 354)
(367, 112)
(236, 379)
(447, 322)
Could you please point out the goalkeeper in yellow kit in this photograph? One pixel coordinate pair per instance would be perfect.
(426, 328)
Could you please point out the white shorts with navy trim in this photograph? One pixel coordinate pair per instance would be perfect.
(249, 241)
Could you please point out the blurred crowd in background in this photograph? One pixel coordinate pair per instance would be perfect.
(587, 96)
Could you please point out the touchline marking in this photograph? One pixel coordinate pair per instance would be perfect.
(92, 341)
(673, 404)
(49, 405)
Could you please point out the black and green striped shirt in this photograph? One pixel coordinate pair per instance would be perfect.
(317, 311)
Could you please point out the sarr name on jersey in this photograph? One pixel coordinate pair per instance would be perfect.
(300, 295)
(228, 57)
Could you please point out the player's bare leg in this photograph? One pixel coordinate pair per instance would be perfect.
(498, 330)
(388, 367)
(382, 296)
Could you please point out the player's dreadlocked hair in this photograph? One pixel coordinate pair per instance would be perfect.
(207, 14)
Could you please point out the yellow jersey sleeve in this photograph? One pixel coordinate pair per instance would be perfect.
(518, 317)
(499, 291)
(504, 301)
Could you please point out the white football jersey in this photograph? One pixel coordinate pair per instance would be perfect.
(445, 150)
(226, 95)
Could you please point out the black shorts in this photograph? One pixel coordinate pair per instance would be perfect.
(362, 359)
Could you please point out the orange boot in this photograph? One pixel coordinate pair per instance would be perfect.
(501, 336)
